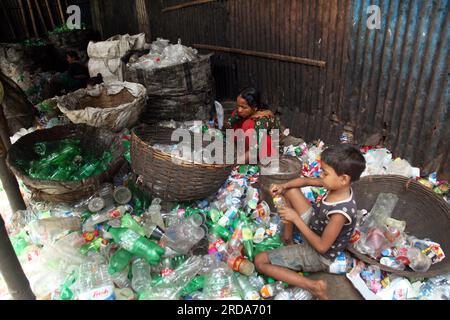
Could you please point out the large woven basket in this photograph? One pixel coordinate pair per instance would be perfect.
(169, 180)
(94, 140)
(427, 215)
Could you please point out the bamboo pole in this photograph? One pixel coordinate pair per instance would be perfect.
(273, 56)
(24, 19)
(41, 16)
(185, 5)
(49, 10)
(61, 13)
(30, 8)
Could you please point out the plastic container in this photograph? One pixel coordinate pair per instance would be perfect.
(96, 204)
(418, 261)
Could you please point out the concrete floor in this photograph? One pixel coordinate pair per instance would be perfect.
(339, 287)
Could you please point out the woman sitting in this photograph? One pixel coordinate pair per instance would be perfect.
(251, 115)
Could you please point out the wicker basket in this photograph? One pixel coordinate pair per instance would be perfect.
(92, 139)
(181, 181)
(426, 215)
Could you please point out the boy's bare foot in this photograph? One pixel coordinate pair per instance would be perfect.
(320, 290)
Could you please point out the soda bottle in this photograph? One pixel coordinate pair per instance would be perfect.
(137, 245)
(142, 278)
(119, 261)
(87, 170)
(129, 223)
(153, 231)
(220, 231)
(166, 267)
(196, 284)
(214, 215)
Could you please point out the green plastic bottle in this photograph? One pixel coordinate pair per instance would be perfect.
(214, 215)
(195, 284)
(220, 231)
(137, 245)
(129, 223)
(119, 261)
(95, 245)
(247, 240)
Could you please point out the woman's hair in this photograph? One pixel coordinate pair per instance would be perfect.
(253, 98)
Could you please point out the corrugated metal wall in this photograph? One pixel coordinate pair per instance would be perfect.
(399, 78)
(391, 81)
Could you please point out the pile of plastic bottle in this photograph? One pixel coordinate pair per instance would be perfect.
(120, 245)
(114, 245)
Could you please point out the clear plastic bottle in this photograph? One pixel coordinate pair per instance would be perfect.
(142, 278)
(95, 283)
(121, 280)
(154, 212)
(106, 192)
(184, 235)
(256, 281)
(247, 290)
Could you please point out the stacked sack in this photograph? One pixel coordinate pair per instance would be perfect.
(105, 57)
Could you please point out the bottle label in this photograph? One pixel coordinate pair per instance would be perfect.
(267, 291)
(128, 240)
(102, 293)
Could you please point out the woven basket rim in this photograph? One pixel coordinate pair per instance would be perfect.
(168, 156)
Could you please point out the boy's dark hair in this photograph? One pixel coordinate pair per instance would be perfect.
(73, 54)
(345, 159)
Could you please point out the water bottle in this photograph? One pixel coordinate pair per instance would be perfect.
(248, 292)
(142, 278)
(95, 283)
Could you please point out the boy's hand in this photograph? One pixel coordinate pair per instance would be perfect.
(277, 189)
(288, 215)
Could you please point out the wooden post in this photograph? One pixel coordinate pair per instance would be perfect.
(41, 16)
(30, 8)
(49, 10)
(142, 16)
(265, 55)
(24, 19)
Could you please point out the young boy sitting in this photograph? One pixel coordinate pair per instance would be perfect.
(326, 230)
